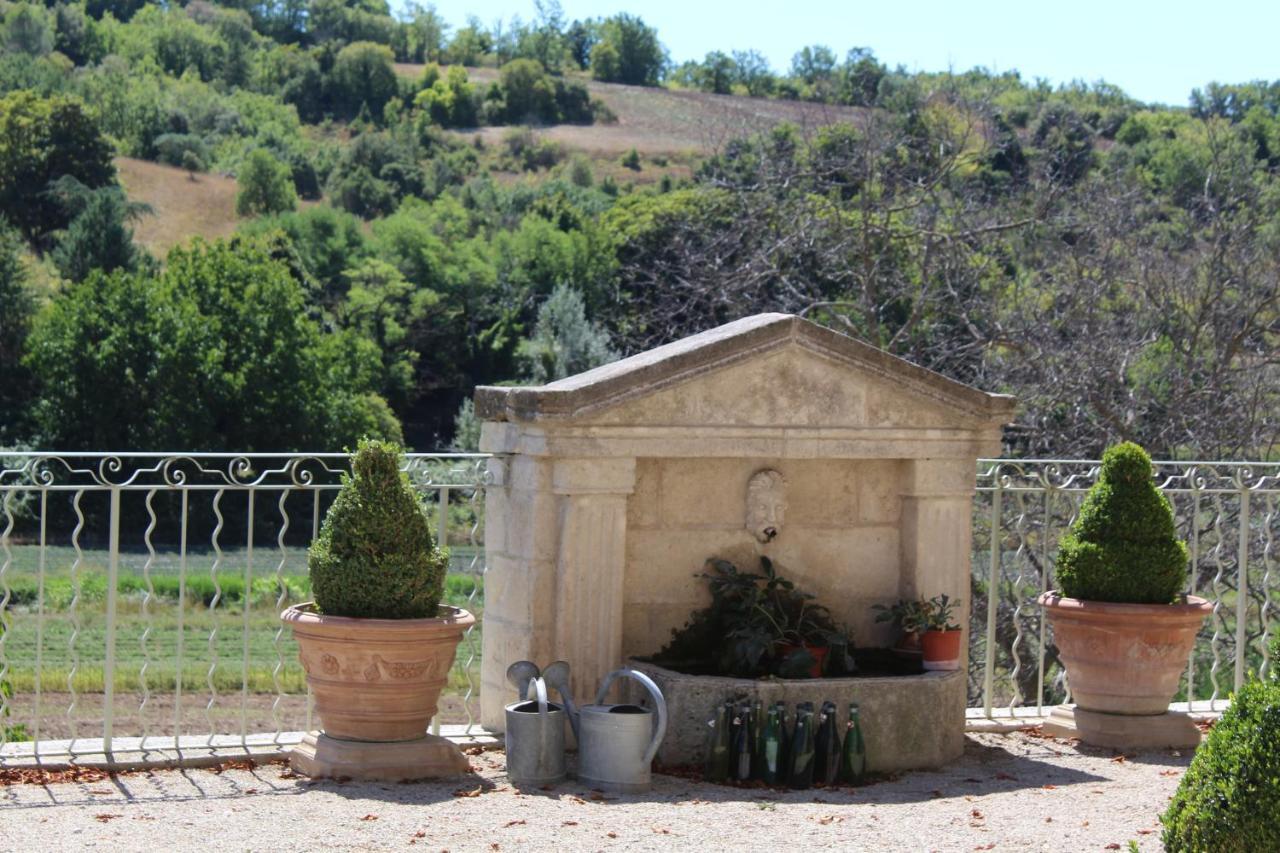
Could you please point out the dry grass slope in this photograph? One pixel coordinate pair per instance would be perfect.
(183, 205)
(667, 121)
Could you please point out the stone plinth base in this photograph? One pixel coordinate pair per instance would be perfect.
(908, 722)
(1118, 731)
(320, 756)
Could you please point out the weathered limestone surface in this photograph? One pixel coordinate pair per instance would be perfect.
(613, 487)
(907, 722)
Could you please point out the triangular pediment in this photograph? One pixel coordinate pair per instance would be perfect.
(761, 371)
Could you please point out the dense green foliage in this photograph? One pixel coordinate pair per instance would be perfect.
(1230, 796)
(215, 352)
(265, 186)
(975, 223)
(1122, 545)
(42, 140)
(17, 307)
(99, 237)
(375, 557)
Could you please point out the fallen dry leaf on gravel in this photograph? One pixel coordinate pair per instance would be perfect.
(103, 818)
(514, 823)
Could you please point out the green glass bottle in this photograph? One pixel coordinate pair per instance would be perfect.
(771, 766)
(801, 775)
(719, 744)
(853, 758)
(757, 739)
(743, 737)
(826, 746)
(784, 743)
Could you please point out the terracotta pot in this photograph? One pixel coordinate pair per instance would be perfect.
(941, 649)
(818, 653)
(376, 679)
(1124, 658)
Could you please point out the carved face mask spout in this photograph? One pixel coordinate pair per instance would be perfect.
(766, 504)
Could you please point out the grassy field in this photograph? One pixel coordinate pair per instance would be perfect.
(231, 641)
(669, 122)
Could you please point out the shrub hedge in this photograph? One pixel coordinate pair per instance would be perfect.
(1122, 546)
(375, 557)
(1229, 799)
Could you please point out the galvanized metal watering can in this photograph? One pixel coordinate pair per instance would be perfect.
(535, 730)
(617, 743)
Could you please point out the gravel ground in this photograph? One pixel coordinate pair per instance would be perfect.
(1009, 792)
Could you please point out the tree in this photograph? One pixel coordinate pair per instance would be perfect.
(264, 186)
(633, 54)
(564, 341)
(17, 308)
(215, 352)
(41, 140)
(363, 76)
(717, 73)
(29, 28)
(99, 237)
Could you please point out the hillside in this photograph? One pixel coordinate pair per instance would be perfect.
(661, 121)
(183, 204)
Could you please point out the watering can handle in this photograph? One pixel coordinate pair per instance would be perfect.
(660, 704)
(540, 687)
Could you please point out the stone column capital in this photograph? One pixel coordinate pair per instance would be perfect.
(940, 478)
(601, 476)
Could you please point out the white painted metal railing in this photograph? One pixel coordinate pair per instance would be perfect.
(1229, 515)
(139, 591)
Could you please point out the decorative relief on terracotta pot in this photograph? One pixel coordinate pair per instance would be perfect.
(766, 504)
(328, 664)
(371, 672)
(406, 670)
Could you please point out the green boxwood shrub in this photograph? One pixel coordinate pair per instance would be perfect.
(1122, 546)
(1229, 799)
(375, 557)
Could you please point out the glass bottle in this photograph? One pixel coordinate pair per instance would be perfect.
(801, 775)
(757, 739)
(853, 760)
(771, 767)
(719, 744)
(826, 746)
(743, 736)
(784, 744)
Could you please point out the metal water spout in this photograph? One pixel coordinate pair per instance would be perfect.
(617, 743)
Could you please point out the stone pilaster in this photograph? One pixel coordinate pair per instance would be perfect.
(936, 532)
(590, 566)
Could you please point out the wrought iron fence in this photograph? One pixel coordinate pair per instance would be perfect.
(139, 592)
(1229, 515)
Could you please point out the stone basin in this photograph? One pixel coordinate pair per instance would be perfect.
(908, 721)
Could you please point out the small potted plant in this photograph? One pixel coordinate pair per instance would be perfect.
(909, 617)
(376, 644)
(1121, 622)
(940, 642)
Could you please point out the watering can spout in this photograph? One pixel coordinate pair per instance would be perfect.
(557, 676)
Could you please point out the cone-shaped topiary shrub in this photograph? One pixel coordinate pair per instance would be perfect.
(1122, 546)
(374, 557)
(1229, 800)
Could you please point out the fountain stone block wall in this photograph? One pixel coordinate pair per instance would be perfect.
(610, 490)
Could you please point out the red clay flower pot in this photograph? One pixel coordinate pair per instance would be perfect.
(941, 649)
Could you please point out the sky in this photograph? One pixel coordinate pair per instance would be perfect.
(1156, 51)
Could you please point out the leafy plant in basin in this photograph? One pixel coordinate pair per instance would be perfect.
(759, 625)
